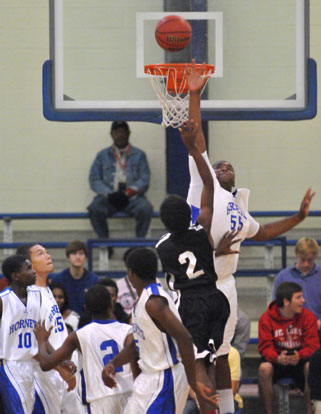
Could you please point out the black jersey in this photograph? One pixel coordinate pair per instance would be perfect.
(188, 256)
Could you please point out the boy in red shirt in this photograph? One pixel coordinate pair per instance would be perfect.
(288, 336)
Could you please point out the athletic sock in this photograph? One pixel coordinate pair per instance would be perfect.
(226, 401)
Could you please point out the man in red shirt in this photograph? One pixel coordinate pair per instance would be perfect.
(288, 336)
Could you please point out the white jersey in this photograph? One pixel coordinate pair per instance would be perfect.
(100, 341)
(230, 213)
(157, 350)
(50, 387)
(50, 313)
(18, 342)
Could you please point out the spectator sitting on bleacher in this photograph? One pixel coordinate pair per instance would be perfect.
(120, 177)
(118, 310)
(76, 279)
(71, 318)
(288, 336)
(127, 294)
(306, 273)
(242, 332)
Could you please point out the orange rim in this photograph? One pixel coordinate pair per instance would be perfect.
(175, 73)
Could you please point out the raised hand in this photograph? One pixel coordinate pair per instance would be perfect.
(41, 332)
(188, 131)
(193, 77)
(305, 204)
(224, 245)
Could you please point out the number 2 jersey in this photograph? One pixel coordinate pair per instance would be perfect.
(18, 342)
(100, 341)
(230, 212)
(188, 257)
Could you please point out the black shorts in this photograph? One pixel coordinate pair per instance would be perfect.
(204, 313)
(296, 372)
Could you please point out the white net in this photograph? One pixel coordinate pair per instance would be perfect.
(170, 86)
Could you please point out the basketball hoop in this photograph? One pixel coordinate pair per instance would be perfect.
(169, 82)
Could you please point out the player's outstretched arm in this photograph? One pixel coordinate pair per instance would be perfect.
(270, 230)
(50, 360)
(158, 309)
(188, 131)
(125, 356)
(195, 85)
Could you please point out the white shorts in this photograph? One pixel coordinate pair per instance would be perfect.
(159, 392)
(227, 286)
(17, 386)
(52, 396)
(113, 404)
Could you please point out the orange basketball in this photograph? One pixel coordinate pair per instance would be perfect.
(173, 33)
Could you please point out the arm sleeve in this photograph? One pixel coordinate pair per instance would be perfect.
(265, 343)
(254, 227)
(310, 335)
(277, 282)
(96, 178)
(234, 361)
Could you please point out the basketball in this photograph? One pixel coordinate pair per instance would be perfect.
(173, 33)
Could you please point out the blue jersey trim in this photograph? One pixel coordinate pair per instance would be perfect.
(104, 321)
(165, 401)
(195, 213)
(172, 348)
(154, 287)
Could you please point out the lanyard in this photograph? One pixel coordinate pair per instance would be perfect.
(122, 160)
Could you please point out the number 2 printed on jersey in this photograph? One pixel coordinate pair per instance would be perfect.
(189, 257)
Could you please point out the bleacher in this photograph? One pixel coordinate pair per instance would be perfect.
(259, 263)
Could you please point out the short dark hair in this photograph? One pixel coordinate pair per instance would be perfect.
(97, 300)
(119, 124)
(218, 163)
(12, 264)
(74, 247)
(56, 285)
(25, 250)
(175, 214)
(125, 255)
(107, 281)
(143, 262)
(286, 290)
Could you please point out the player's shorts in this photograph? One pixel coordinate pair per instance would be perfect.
(204, 313)
(52, 396)
(17, 386)
(112, 404)
(227, 286)
(296, 372)
(159, 392)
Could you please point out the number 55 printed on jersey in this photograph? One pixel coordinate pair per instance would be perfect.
(112, 348)
(236, 222)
